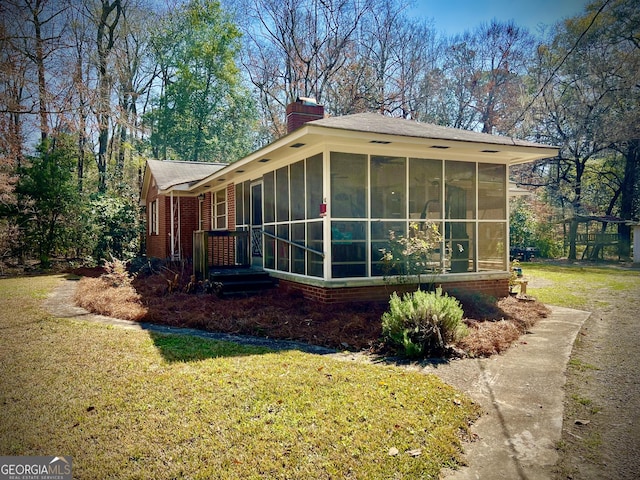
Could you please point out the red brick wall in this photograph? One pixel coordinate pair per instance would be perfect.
(230, 257)
(496, 288)
(189, 224)
(231, 207)
(157, 243)
(207, 212)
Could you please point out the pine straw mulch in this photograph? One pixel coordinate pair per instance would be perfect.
(494, 325)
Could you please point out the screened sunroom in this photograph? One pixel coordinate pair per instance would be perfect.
(321, 205)
(342, 234)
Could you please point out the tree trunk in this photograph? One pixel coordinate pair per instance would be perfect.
(42, 86)
(632, 165)
(573, 233)
(105, 40)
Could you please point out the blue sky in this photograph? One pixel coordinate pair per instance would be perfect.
(456, 16)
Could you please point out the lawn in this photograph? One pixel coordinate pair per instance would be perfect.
(585, 287)
(135, 404)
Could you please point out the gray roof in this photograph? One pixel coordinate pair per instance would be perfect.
(376, 123)
(171, 173)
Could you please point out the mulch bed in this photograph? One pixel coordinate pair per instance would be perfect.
(275, 314)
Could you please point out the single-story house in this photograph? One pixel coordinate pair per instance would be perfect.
(315, 207)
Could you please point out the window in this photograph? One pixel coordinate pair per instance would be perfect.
(314, 186)
(492, 241)
(219, 210)
(282, 246)
(315, 241)
(297, 191)
(460, 204)
(239, 204)
(460, 186)
(460, 246)
(380, 240)
(282, 194)
(492, 196)
(153, 217)
(269, 194)
(298, 237)
(388, 187)
(348, 185)
(425, 188)
(349, 249)
(243, 205)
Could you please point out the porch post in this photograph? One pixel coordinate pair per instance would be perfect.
(636, 243)
(173, 253)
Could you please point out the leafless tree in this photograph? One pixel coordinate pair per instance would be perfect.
(297, 47)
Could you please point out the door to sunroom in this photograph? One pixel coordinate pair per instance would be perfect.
(256, 225)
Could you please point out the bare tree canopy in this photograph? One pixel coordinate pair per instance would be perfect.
(207, 80)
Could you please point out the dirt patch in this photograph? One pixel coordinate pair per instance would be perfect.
(600, 437)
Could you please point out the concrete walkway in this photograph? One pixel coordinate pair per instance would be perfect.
(521, 391)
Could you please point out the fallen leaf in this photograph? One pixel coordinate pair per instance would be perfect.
(416, 452)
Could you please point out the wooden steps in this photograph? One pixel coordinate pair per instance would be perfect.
(240, 281)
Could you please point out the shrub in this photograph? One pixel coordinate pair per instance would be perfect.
(423, 323)
(113, 226)
(414, 254)
(116, 274)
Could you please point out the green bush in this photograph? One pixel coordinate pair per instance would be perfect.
(423, 323)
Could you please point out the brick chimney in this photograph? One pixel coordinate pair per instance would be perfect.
(301, 111)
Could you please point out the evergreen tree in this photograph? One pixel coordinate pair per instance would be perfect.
(49, 196)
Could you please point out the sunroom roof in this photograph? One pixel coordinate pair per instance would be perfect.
(391, 135)
(376, 123)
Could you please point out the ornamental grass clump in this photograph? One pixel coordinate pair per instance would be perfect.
(111, 294)
(423, 323)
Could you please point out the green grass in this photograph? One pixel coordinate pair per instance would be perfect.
(581, 366)
(586, 402)
(580, 287)
(132, 404)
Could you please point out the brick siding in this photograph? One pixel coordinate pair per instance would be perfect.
(497, 288)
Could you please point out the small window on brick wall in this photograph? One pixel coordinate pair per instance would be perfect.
(153, 218)
(220, 209)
